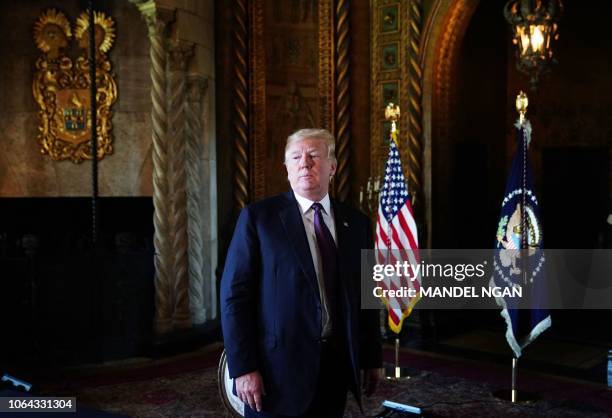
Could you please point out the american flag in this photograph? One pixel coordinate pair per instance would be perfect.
(396, 231)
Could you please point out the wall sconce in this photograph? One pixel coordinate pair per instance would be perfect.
(368, 201)
(534, 27)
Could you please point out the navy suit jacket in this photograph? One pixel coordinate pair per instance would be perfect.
(271, 308)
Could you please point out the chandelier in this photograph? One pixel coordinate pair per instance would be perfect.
(534, 27)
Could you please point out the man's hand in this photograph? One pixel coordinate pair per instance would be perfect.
(250, 388)
(371, 377)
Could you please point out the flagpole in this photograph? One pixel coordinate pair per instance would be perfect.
(392, 113)
(529, 237)
(521, 106)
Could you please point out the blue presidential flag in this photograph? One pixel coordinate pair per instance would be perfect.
(520, 260)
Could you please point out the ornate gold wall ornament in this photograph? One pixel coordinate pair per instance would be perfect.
(61, 87)
(281, 49)
(104, 32)
(389, 38)
(397, 77)
(52, 32)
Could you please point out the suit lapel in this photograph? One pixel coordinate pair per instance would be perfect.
(292, 222)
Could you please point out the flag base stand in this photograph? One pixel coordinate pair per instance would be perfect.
(396, 372)
(519, 396)
(514, 395)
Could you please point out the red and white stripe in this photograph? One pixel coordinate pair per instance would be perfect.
(392, 242)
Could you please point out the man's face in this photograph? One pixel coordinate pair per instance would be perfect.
(308, 168)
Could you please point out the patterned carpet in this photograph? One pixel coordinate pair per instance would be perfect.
(190, 391)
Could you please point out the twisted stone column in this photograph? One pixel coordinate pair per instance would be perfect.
(196, 89)
(415, 95)
(241, 104)
(164, 304)
(342, 99)
(179, 56)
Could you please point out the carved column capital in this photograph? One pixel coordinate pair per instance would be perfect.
(146, 8)
(157, 19)
(180, 54)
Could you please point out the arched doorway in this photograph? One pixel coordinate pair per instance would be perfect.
(470, 83)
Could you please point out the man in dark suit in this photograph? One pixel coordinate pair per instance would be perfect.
(295, 336)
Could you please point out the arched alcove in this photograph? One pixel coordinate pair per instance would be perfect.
(442, 36)
(470, 84)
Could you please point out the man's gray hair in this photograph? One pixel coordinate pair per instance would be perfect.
(322, 134)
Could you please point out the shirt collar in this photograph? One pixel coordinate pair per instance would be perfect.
(305, 204)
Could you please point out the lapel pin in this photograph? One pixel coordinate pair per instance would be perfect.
(345, 223)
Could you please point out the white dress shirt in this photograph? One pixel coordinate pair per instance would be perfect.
(308, 218)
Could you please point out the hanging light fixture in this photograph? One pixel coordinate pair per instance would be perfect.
(534, 27)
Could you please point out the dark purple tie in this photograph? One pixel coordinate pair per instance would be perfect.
(328, 256)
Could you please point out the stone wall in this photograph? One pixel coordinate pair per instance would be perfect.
(24, 171)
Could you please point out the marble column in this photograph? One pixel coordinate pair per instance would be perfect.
(184, 173)
(163, 260)
(196, 92)
(179, 53)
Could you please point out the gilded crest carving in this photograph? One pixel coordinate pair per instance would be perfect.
(61, 86)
